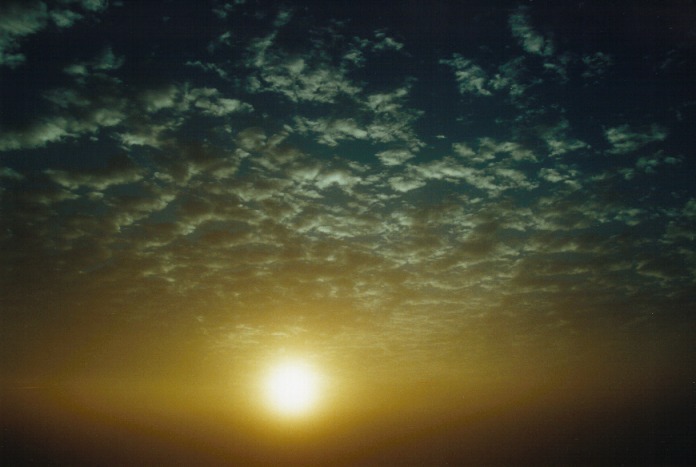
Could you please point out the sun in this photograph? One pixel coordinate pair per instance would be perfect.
(292, 387)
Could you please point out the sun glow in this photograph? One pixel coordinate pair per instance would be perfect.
(292, 387)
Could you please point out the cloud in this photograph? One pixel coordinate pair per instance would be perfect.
(35, 135)
(510, 77)
(488, 148)
(64, 18)
(561, 174)
(211, 102)
(386, 43)
(223, 10)
(531, 41)
(20, 19)
(404, 183)
(207, 66)
(649, 164)
(470, 77)
(331, 131)
(393, 157)
(596, 64)
(557, 140)
(119, 171)
(624, 139)
(308, 77)
(97, 102)
(94, 5)
(77, 114)
(104, 62)
(11, 174)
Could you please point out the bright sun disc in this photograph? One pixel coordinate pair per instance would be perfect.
(292, 387)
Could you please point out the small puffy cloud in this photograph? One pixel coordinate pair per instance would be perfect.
(18, 20)
(64, 18)
(473, 79)
(11, 174)
(624, 139)
(649, 164)
(406, 183)
(389, 102)
(119, 171)
(155, 99)
(392, 157)
(320, 83)
(251, 139)
(557, 140)
(78, 114)
(561, 174)
(596, 64)
(488, 148)
(386, 43)
(35, 135)
(105, 61)
(332, 130)
(144, 135)
(340, 177)
(283, 17)
(207, 66)
(308, 77)
(530, 40)
(211, 102)
(463, 150)
(94, 5)
(470, 77)
(223, 10)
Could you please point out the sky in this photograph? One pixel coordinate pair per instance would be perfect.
(477, 219)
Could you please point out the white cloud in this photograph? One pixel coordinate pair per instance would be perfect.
(489, 148)
(405, 183)
(463, 150)
(331, 131)
(119, 172)
(300, 78)
(18, 20)
(64, 18)
(531, 41)
(470, 77)
(145, 135)
(207, 66)
(35, 135)
(155, 99)
(222, 11)
(557, 140)
(596, 64)
(211, 102)
(10, 173)
(94, 5)
(389, 102)
(393, 157)
(105, 61)
(252, 139)
(624, 139)
(386, 42)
